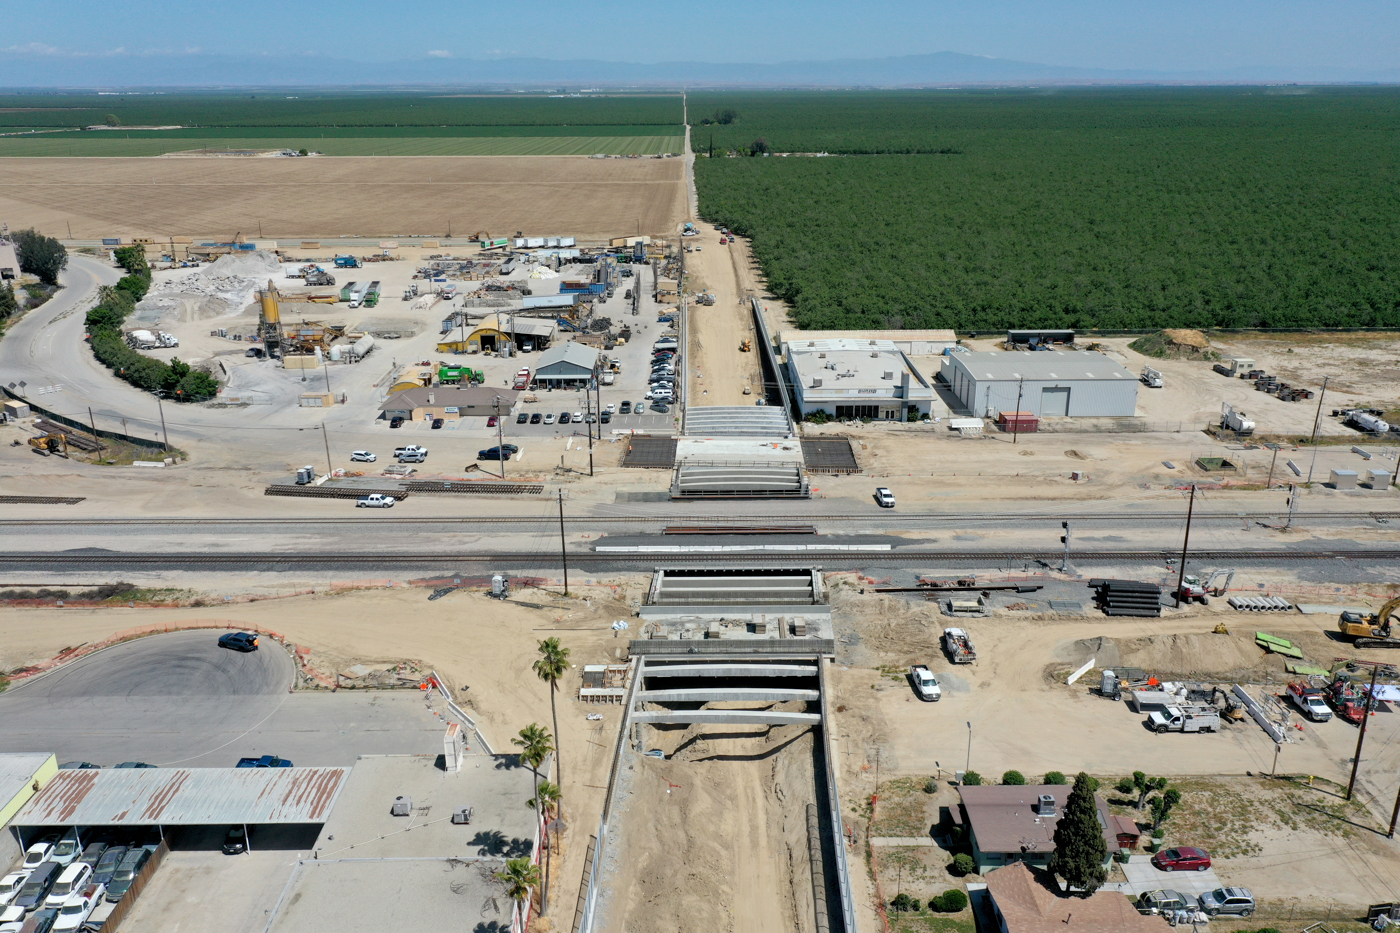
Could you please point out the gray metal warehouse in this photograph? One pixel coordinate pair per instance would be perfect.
(1051, 384)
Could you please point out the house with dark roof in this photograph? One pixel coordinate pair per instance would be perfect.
(1023, 902)
(1010, 823)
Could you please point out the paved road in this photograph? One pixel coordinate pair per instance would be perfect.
(178, 700)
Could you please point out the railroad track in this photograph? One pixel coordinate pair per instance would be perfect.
(115, 561)
(942, 518)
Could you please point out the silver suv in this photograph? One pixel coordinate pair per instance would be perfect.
(1157, 902)
(1228, 901)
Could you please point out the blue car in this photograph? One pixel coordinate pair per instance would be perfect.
(239, 641)
(266, 761)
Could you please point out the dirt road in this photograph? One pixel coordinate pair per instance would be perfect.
(720, 371)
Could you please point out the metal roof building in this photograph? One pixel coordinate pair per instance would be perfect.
(184, 797)
(566, 363)
(737, 421)
(1052, 384)
(21, 775)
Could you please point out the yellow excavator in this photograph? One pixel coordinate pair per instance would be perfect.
(1367, 629)
(55, 443)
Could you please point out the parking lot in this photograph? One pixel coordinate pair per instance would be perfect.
(180, 700)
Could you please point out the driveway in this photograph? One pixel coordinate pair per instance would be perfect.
(1142, 877)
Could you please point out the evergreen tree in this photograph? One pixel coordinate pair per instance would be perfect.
(1080, 850)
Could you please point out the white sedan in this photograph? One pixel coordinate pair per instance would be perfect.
(363, 456)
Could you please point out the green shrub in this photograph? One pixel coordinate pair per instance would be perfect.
(1013, 777)
(949, 902)
(1055, 777)
(963, 864)
(904, 902)
(971, 778)
(930, 786)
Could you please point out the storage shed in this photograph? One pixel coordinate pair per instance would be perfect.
(1052, 384)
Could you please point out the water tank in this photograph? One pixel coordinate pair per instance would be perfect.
(335, 354)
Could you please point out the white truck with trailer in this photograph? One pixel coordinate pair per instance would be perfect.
(1185, 719)
(925, 684)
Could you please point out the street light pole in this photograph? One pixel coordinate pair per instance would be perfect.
(563, 553)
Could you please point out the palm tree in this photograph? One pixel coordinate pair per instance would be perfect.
(535, 745)
(519, 875)
(549, 667)
(546, 800)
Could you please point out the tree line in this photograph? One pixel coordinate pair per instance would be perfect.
(177, 379)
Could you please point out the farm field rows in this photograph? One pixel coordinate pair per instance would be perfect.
(1109, 209)
(116, 145)
(587, 198)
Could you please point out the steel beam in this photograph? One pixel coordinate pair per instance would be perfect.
(727, 694)
(738, 717)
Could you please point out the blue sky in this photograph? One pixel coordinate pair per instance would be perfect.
(1169, 35)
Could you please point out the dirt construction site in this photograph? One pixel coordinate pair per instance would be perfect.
(741, 760)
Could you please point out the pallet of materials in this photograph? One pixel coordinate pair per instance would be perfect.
(1277, 645)
(1128, 598)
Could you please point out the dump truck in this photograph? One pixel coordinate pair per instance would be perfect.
(1370, 629)
(347, 262)
(372, 294)
(925, 684)
(357, 295)
(1184, 719)
(347, 290)
(958, 644)
(319, 277)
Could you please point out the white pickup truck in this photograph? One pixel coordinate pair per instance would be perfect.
(375, 501)
(925, 684)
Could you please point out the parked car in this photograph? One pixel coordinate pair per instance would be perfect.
(504, 452)
(564, 417)
(41, 921)
(639, 405)
(66, 850)
(884, 498)
(12, 919)
(37, 886)
(107, 866)
(522, 418)
(77, 766)
(10, 885)
(395, 422)
(535, 418)
(375, 500)
(78, 908)
(1181, 858)
(591, 418)
(126, 873)
(363, 456)
(93, 853)
(606, 417)
(133, 764)
(661, 407)
(265, 761)
(578, 417)
(235, 842)
(237, 641)
(38, 853)
(437, 424)
(492, 421)
(1156, 902)
(1228, 901)
(409, 449)
(412, 458)
(72, 881)
(626, 408)
(610, 408)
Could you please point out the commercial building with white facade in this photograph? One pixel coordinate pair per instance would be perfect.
(856, 378)
(1051, 384)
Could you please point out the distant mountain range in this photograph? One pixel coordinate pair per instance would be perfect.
(939, 69)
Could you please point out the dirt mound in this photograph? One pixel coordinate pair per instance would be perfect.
(1205, 654)
(1174, 344)
(258, 262)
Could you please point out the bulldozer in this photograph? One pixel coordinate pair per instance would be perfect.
(1365, 629)
(50, 443)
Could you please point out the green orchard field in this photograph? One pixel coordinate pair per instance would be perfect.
(118, 144)
(1112, 209)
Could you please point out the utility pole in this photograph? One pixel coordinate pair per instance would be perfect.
(325, 436)
(1270, 483)
(163, 432)
(1361, 735)
(500, 445)
(1181, 571)
(1292, 505)
(1317, 423)
(1393, 815)
(1016, 431)
(93, 422)
(563, 553)
(326, 365)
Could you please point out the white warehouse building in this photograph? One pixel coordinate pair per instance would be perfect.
(1051, 384)
(855, 378)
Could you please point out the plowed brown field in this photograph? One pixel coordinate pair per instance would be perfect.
(325, 197)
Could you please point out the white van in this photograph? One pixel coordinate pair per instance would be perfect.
(72, 881)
